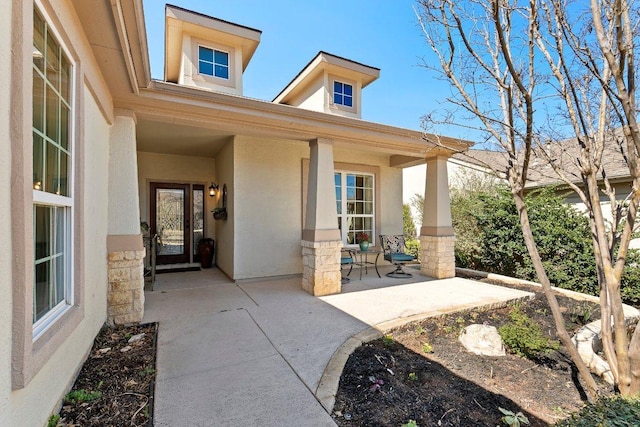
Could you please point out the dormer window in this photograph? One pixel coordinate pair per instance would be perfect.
(212, 62)
(342, 94)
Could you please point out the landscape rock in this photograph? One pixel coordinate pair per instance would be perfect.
(482, 340)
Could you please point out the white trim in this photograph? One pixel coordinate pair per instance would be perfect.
(343, 193)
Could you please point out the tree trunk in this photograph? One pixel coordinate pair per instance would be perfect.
(551, 298)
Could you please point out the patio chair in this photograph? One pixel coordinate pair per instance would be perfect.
(346, 258)
(393, 247)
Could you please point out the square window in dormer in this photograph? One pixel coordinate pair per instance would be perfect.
(342, 94)
(212, 62)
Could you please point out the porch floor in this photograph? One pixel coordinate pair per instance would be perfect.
(266, 352)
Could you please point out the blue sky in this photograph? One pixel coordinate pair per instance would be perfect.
(379, 33)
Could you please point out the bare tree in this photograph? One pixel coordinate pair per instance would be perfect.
(522, 72)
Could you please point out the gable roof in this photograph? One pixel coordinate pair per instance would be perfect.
(365, 74)
(179, 20)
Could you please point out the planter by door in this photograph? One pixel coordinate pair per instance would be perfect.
(206, 249)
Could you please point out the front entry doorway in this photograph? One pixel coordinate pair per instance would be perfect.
(177, 217)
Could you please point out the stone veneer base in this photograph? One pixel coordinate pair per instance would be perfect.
(321, 267)
(437, 257)
(125, 295)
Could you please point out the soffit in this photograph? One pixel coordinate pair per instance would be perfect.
(172, 137)
(116, 32)
(226, 115)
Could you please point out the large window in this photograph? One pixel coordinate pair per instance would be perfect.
(213, 62)
(342, 94)
(355, 205)
(52, 163)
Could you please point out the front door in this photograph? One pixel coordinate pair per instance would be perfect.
(170, 219)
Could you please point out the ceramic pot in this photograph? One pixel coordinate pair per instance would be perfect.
(364, 246)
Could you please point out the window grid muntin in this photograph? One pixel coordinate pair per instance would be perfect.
(359, 188)
(219, 68)
(342, 93)
(53, 97)
(61, 261)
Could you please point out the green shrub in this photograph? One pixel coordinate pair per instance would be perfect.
(413, 247)
(630, 286)
(81, 396)
(524, 337)
(606, 412)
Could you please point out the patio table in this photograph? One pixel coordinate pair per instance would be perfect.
(360, 259)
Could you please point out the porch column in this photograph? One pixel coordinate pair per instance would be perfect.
(437, 238)
(125, 295)
(321, 241)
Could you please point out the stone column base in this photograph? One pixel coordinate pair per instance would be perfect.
(321, 260)
(125, 295)
(437, 257)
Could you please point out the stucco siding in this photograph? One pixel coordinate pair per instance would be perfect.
(225, 243)
(313, 98)
(6, 281)
(268, 211)
(56, 376)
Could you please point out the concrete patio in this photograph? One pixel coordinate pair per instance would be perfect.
(267, 353)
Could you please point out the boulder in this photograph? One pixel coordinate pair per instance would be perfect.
(483, 340)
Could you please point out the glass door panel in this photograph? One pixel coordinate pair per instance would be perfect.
(170, 220)
(198, 219)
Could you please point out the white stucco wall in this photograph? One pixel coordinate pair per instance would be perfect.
(156, 167)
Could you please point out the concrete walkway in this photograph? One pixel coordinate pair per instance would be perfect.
(267, 353)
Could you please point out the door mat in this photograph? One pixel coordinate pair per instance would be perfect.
(177, 270)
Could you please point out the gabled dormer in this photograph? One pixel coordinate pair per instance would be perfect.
(330, 84)
(206, 52)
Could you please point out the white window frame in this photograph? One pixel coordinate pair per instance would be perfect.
(352, 96)
(214, 50)
(42, 198)
(343, 217)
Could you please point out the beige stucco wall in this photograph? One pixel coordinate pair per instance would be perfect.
(56, 376)
(35, 402)
(156, 167)
(224, 229)
(6, 400)
(313, 98)
(267, 211)
(268, 207)
(189, 66)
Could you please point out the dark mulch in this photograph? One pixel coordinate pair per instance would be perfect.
(120, 376)
(451, 387)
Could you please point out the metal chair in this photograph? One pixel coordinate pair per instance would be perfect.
(393, 247)
(346, 258)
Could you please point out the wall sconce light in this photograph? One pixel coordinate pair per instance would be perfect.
(212, 189)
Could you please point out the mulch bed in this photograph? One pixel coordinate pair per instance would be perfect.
(452, 387)
(115, 385)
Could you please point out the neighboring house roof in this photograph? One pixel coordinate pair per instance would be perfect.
(563, 154)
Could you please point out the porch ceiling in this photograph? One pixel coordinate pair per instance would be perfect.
(175, 138)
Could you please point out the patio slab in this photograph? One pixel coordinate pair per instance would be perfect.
(267, 353)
